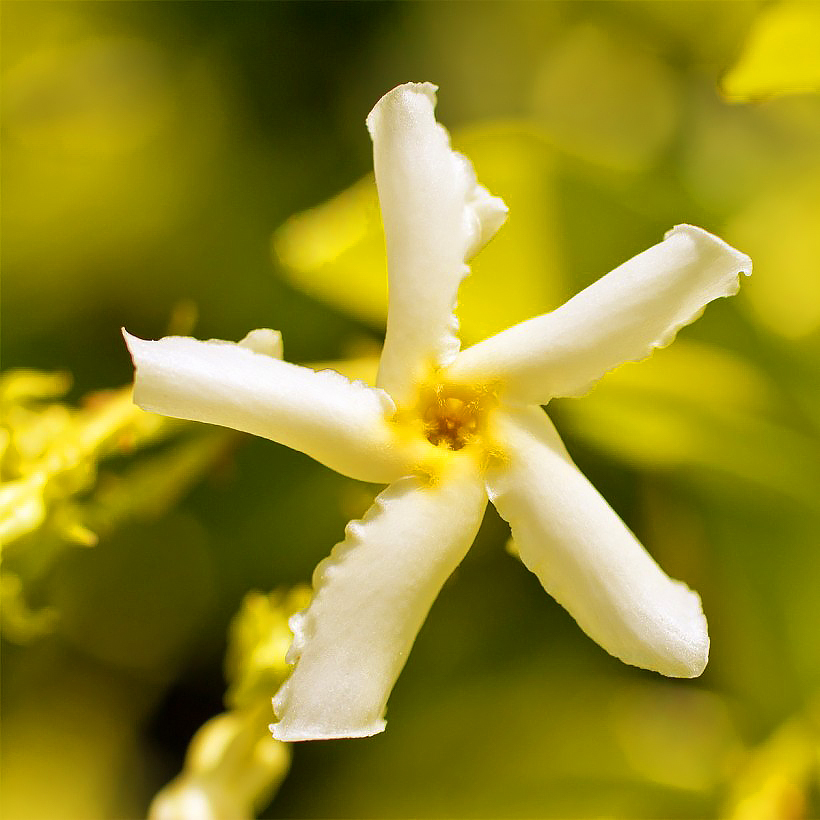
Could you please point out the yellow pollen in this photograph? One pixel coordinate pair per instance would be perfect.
(451, 416)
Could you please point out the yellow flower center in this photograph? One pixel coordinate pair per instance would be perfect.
(452, 416)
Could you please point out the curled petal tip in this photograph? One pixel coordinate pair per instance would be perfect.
(291, 735)
(721, 250)
(411, 99)
(131, 341)
(679, 638)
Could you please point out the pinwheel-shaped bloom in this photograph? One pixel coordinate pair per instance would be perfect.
(448, 429)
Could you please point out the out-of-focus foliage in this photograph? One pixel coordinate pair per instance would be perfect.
(788, 304)
(781, 54)
(734, 423)
(150, 150)
(233, 765)
(628, 98)
(776, 777)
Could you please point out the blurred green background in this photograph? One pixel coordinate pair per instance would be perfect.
(150, 153)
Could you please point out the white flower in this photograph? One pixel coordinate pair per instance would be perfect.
(446, 430)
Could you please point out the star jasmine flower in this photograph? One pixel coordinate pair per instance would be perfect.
(448, 430)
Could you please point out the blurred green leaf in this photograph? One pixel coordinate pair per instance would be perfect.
(778, 776)
(699, 406)
(781, 54)
(779, 229)
(604, 98)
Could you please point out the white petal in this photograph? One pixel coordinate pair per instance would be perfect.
(371, 597)
(622, 317)
(436, 217)
(585, 556)
(264, 340)
(342, 424)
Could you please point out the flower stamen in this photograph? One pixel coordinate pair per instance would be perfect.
(452, 416)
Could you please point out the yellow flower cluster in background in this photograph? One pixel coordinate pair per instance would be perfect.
(233, 765)
(51, 494)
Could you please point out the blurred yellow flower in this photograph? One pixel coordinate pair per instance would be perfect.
(50, 460)
(233, 766)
